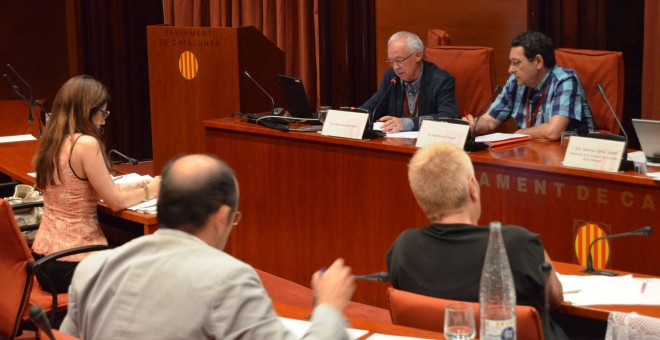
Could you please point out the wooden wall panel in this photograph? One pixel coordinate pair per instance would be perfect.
(33, 38)
(474, 22)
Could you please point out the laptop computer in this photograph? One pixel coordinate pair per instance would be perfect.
(648, 133)
(295, 97)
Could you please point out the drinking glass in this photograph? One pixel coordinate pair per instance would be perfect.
(565, 137)
(459, 321)
(323, 111)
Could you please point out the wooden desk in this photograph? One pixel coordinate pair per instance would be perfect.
(16, 162)
(307, 199)
(294, 312)
(601, 312)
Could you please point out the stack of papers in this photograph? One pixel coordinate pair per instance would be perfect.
(609, 290)
(18, 138)
(497, 139)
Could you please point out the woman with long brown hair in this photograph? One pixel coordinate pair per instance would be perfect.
(74, 171)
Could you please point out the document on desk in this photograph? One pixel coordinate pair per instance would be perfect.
(147, 207)
(378, 336)
(300, 327)
(17, 138)
(609, 290)
(403, 134)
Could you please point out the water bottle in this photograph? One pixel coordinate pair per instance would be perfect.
(497, 294)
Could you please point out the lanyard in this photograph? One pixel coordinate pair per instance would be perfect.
(406, 109)
(532, 121)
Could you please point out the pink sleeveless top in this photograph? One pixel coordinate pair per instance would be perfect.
(70, 219)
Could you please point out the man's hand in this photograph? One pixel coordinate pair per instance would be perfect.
(391, 124)
(335, 286)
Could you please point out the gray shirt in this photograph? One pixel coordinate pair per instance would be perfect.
(172, 285)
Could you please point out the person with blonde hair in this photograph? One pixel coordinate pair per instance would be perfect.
(445, 259)
(74, 171)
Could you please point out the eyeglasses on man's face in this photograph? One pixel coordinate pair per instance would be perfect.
(399, 62)
(106, 113)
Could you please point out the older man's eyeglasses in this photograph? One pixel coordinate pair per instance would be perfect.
(236, 218)
(106, 113)
(399, 62)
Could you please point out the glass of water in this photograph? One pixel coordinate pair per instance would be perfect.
(323, 112)
(459, 321)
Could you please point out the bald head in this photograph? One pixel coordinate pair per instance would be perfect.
(193, 187)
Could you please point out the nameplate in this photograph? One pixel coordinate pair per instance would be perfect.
(594, 154)
(345, 124)
(437, 132)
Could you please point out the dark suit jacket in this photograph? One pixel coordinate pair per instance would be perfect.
(436, 95)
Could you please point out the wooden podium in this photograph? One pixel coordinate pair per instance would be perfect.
(196, 73)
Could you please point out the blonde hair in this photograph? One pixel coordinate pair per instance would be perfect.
(439, 179)
(74, 105)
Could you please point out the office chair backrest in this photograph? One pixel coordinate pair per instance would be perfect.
(419, 311)
(598, 67)
(16, 283)
(473, 69)
(437, 37)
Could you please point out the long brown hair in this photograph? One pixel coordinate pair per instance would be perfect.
(74, 105)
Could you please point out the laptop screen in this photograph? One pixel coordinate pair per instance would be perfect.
(648, 133)
(295, 97)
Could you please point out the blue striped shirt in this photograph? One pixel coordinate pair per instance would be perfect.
(564, 96)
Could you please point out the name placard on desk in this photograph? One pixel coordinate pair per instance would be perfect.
(345, 124)
(594, 154)
(436, 132)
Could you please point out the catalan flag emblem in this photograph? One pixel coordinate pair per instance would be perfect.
(600, 253)
(188, 65)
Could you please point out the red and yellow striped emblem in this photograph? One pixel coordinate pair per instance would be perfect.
(188, 65)
(601, 250)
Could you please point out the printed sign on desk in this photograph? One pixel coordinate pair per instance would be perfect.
(594, 154)
(345, 124)
(436, 132)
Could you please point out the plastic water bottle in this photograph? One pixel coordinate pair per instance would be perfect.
(497, 294)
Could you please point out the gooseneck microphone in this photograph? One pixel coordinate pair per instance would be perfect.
(644, 231)
(133, 161)
(471, 144)
(373, 112)
(38, 316)
(379, 277)
(273, 111)
(625, 163)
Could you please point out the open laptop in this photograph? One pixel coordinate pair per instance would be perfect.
(648, 133)
(295, 97)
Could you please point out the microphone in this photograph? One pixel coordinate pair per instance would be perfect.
(625, 163)
(471, 144)
(373, 112)
(644, 231)
(30, 102)
(129, 159)
(38, 317)
(379, 277)
(273, 110)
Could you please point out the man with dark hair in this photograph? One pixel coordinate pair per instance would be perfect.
(179, 284)
(421, 89)
(544, 99)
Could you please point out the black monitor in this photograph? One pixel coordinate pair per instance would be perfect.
(295, 97)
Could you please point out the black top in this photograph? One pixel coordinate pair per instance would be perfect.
(446, 260)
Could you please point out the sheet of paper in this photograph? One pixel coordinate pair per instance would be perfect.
(378, 336)
(300, 327)
(496, 137)
(605, 290)
(403, 134)
(17, 138)
(147, 207)
(131, 178)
